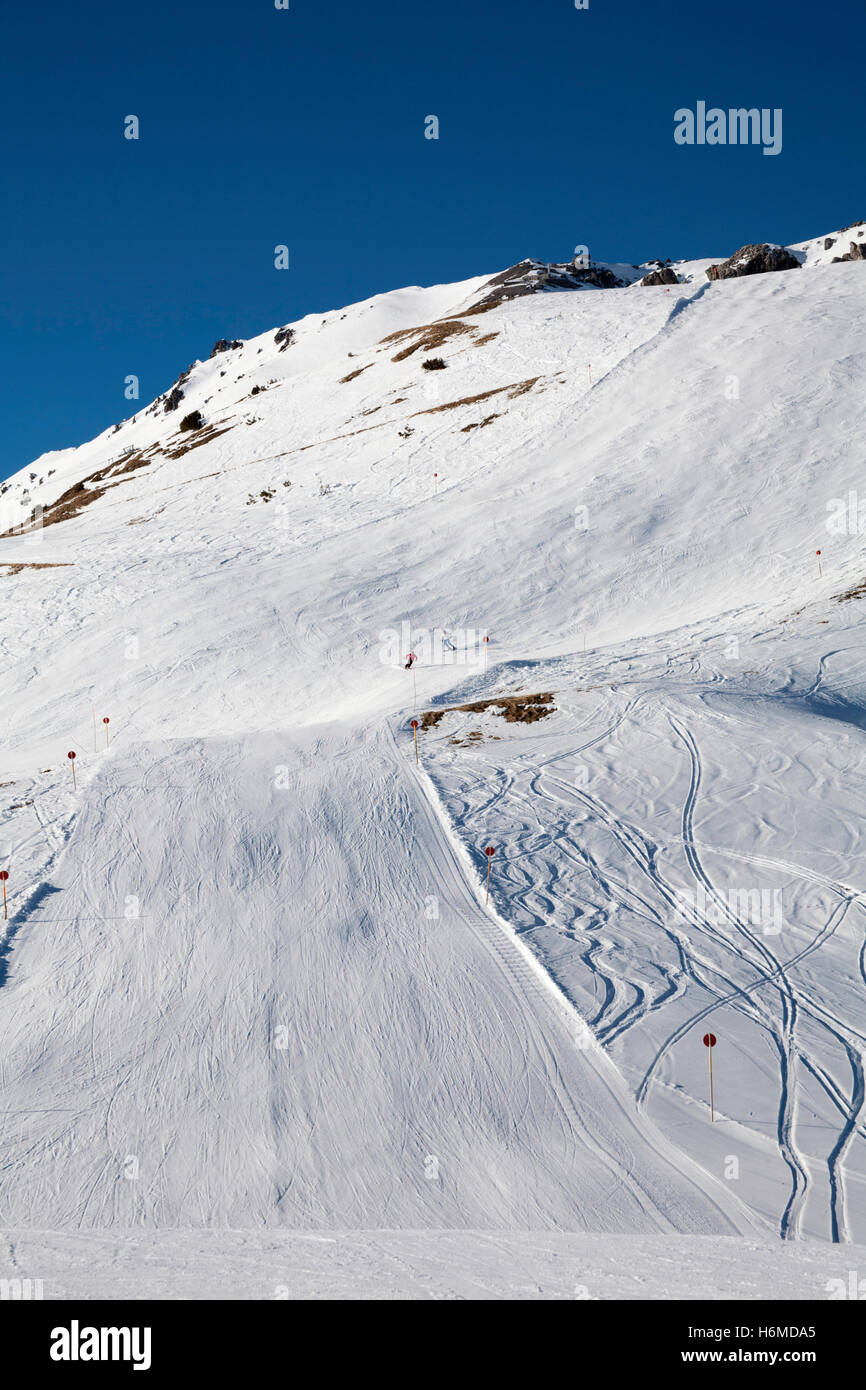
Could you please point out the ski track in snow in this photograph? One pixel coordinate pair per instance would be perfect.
(749, 977)
(437, 1039)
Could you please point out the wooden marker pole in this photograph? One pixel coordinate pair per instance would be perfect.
(105, 722)
(3, 877)
(490, 851)
(415, 736)
(435, 484)
(486, 644)
(818, 553)
(709, 1044)
(71, 757)
(589, 372)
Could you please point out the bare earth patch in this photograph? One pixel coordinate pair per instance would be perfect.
(95, 485)
(858, 591)
(195, 441)
(514, 389)
(480, 424)
(429, 336)
(16, 568)
(514, 709)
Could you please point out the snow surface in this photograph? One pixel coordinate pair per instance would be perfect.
(435, 1265)
(252, 986)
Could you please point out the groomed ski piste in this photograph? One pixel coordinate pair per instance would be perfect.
(265, 1032)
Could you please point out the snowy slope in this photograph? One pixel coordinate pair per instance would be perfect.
(315, 1008)
(284, 1037)
(550, 1265)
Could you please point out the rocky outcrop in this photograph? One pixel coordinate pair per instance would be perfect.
(175, 395)
(856, 252)
(754, 260)
(534, 277)
(285, 336)
(663, 276)
(598, 275)
(193, 421)
(226, 345)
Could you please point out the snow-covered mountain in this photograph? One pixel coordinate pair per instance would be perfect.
(252, 978)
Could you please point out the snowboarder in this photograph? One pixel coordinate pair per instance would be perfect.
(410, 659)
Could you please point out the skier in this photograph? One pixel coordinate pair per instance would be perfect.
(410, 659)
(447, 644)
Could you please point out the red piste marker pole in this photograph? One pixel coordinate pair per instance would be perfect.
(490, 851)
(71, 757)
(435, 484)
(709, 1044)
(105, 722)
(415, 736)
(818, 553)
(486, 643)
(3, 878)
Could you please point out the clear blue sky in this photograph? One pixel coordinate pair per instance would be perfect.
(306, 127)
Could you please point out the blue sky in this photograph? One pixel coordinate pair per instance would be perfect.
(305, 127)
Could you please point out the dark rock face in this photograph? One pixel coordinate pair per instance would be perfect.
(664, 276)
(286, 336)
(597, 275)
(753, 260)
(225, 345)
(193, 421)
(856, 252)
(828, 242)
(533, 277)
(175, 395)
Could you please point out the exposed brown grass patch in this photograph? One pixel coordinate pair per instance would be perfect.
(428, 336)
(68, 504)
(480, 424)
(858, 591)
(514, 389)
(19, 565)
(206, 435)
(514, 709)
(485, 338)
(483, 308)
(88, 490)
(523, 386)
(356, 372)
